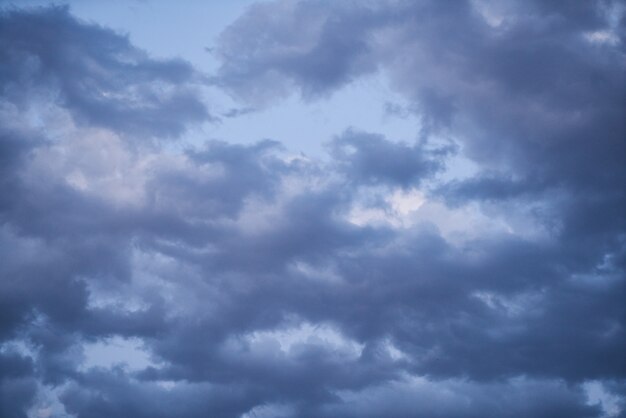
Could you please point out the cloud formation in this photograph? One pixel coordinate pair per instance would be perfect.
(376, 282)
(95, 73)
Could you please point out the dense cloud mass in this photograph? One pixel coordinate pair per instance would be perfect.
(226, 279)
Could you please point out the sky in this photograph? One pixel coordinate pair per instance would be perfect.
(309, 208)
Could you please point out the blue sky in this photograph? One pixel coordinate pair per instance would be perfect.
(310, 208)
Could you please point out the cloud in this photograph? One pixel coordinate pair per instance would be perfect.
(371, 159)
(411, 397)
(238, 271)
(314, 47)
(96, 74)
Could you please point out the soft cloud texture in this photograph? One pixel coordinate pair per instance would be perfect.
(95, 73)
(378, 281)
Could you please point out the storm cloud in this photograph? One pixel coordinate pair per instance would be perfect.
(230, 279)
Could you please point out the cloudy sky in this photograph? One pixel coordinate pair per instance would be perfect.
(312, 208)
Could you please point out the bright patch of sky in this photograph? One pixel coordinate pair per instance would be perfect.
(116, 351)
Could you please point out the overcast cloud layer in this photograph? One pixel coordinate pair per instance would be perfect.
(145, 275)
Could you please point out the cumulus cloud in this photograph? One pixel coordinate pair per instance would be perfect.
(240, 273)
(372, 159)
(95, 73)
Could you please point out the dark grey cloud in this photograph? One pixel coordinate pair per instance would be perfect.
(241, 269)
(549, 399)
(96, 73)
(17, 396)
(372, 159)
(17, 386)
